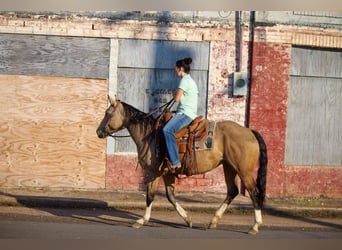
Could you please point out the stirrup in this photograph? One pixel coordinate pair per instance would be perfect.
(168, 168)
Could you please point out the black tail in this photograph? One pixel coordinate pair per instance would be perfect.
(262, 171)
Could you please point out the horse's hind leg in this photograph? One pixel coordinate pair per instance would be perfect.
(169, 181)
(232, 192)
(150, 193)
(254, 195)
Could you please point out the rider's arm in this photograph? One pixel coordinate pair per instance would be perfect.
(178, 94)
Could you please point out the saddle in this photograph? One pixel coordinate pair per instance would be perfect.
(186, 138)
(195, 131)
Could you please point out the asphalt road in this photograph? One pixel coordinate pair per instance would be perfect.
(57, 230)
(62, 223)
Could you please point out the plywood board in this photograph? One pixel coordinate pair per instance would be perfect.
(54, 56)
(47, 131)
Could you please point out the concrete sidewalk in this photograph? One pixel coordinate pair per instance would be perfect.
(123, 208)
(200, 201)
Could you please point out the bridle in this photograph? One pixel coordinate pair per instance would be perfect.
(162, 109)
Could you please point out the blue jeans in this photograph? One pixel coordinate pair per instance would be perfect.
(175, 123)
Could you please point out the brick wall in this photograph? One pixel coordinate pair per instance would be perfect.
(123, 173)
(268, 105)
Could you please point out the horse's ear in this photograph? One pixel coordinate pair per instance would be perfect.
(112, 100)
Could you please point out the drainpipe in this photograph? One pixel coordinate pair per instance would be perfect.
(250, 65)
(238, 41)
(249, 75)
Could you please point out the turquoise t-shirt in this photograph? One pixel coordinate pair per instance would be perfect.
(188, 102)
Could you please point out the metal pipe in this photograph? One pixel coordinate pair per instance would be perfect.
(250, 65)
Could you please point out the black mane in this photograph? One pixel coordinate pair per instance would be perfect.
(137, 116)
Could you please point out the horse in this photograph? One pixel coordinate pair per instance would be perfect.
(238, 149)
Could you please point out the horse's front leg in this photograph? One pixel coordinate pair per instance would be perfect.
(150, 193)
(169, 181)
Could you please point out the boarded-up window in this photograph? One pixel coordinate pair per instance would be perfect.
(47, 131)
(82, 57)
(146, 77)
(314, 128)
(47, 125)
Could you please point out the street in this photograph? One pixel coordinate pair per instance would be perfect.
(58, 230)
(68, 223)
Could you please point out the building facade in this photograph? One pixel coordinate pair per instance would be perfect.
(57, 69)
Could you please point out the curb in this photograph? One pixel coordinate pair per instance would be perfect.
(237, 209)
(192, 201)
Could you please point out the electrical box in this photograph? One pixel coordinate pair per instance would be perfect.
(240, 83)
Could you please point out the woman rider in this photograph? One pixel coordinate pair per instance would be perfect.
(186, 96)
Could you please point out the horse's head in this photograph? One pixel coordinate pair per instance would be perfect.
(113, 120)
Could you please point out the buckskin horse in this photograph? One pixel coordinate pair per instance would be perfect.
(238, 149)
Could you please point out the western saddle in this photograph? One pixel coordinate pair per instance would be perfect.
(186, 138)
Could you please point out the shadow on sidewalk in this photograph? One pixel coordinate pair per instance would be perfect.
(86, 210)
(306, 217)
(56, 202)
(89, 210)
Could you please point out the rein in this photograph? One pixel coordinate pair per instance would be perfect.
(161, 109)
(119, 136)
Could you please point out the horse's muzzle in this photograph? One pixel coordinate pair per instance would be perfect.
(101, 133)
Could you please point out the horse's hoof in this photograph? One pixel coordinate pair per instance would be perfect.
(137, 225)
(213, 222)
(252, 231)
(189, 222)
(212, 226)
